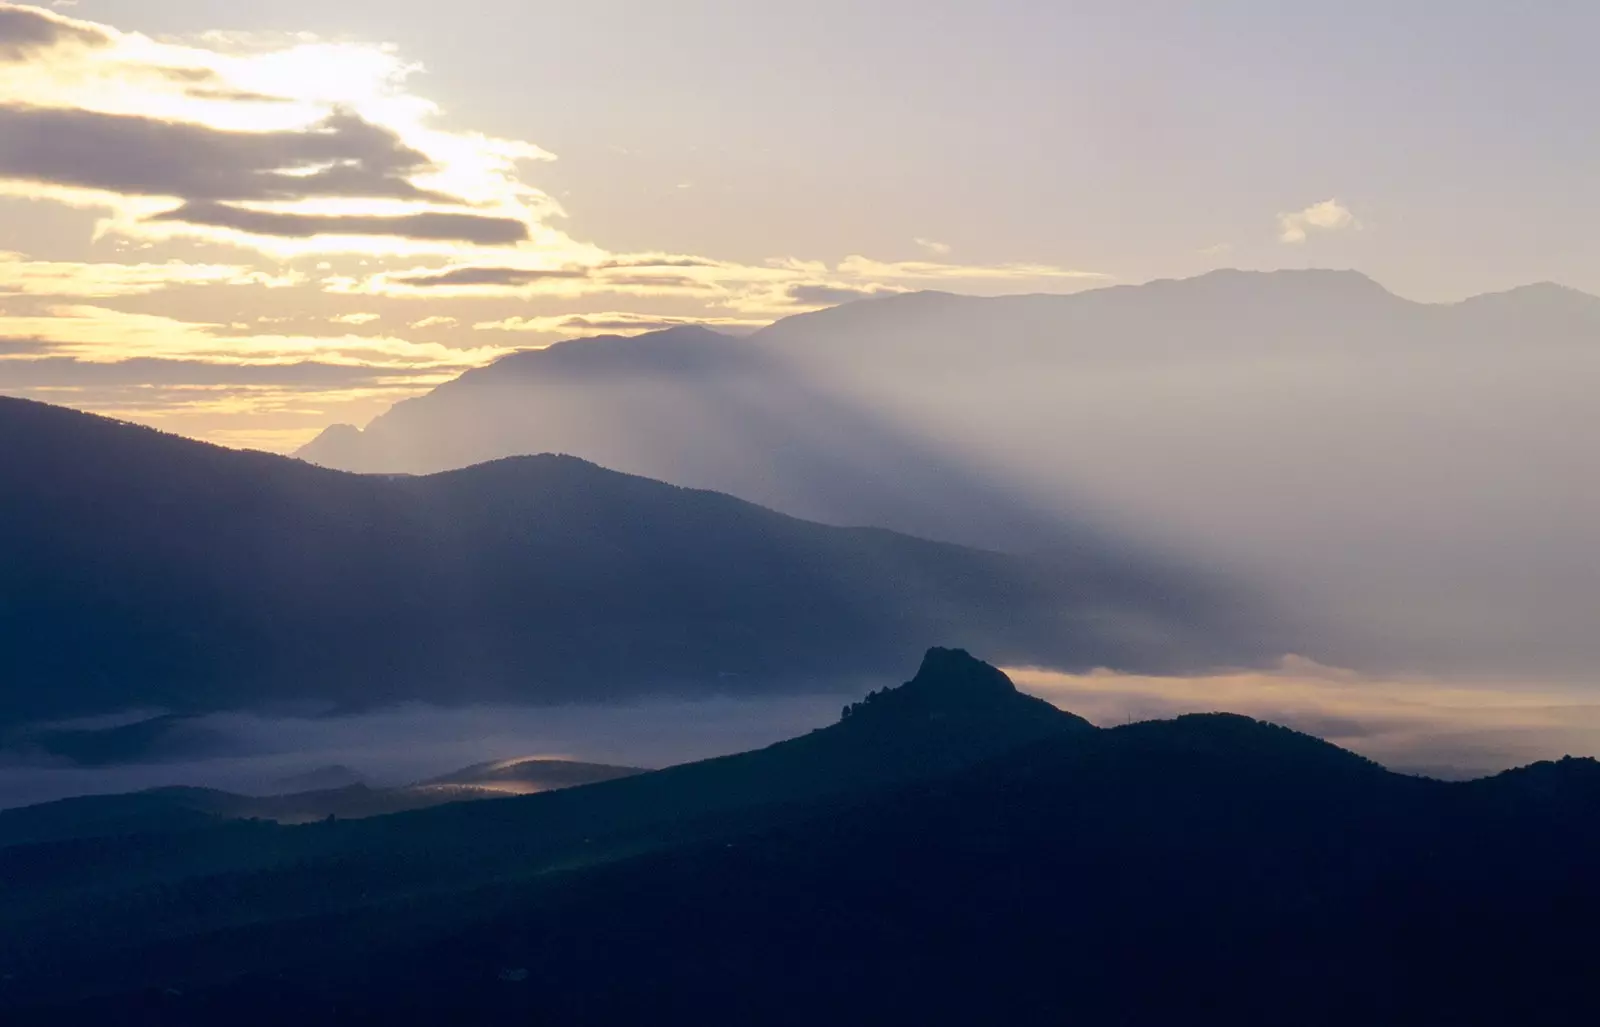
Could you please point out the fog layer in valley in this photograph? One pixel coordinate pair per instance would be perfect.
(1423, 725)
(257, 753)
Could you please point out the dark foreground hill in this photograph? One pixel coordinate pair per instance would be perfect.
(144, 570)
(1210, 870)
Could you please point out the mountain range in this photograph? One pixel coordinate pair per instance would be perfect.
(159, 810)
(145, 571)
(1390, 479)
(949, 852)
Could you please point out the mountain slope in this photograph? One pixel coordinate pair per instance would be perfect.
(76, 898)
(699, 408)
(1210, 869)
(145, 570)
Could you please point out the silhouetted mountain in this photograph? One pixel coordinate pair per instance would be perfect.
(1209, 869)
(144, 570)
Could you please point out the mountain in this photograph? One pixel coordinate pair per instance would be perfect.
(700, 408)
(162, 810)
(1387, 479)
(1208, 869)
(147, 571)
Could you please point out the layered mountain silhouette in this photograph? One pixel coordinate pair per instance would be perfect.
(1369, 464)
(890, 868)
(147, 571)
(795, 416)
(162, 810)
(696, 407)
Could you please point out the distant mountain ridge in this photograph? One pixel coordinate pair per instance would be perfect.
(176, 809)
(898, 334)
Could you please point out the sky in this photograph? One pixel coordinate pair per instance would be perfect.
(244, 222)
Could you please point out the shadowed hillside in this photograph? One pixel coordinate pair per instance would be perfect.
(146, 571)
(950, 852)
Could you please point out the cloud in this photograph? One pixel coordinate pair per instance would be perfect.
(106, 280)
(356, 319)
(283, 147)
(227, 382)
(614, 322)
(505, 280)
(658, 260)
(153, 373)
(23, 347)
(27, 31)
(101, 335)
(865, 267)
(1327, 216)
(1412, 723)
(431, 226)
(338, 156)
(328, 134)
(938, 249)
(816, 295)
(491, 276)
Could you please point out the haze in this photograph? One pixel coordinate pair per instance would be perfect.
(248, 223)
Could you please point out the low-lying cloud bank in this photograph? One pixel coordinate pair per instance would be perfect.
(404, 744)
(1419, 725)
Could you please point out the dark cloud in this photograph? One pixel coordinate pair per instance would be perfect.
(619, 324)
(25, 31)
(511, 277)
(811, 295)
(433, 226)
(493, 276)
(340, 156)
(224, 95)
(647, 262)
(659, 281)
(22, 347)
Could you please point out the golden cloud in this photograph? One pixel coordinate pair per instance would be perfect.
(1415, 723)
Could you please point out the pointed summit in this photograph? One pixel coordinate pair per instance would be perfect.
(956, 675)
(953, 687)
(338, 445)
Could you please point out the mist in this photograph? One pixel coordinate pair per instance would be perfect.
(1409, 488)
(1324, 467)
(1433, 726)
(253, 753)
(1437, 728)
